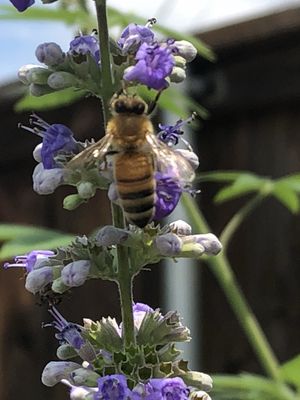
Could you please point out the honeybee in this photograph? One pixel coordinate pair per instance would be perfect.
(136, 154)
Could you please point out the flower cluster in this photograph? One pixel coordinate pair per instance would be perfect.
(154, 370)
(93, 258)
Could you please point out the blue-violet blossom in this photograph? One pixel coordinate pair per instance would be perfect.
(168, 389)
(85, 44)
(168, 193)
(133, 36)
(22, 5)
(112, 387)
(154, 64)
(30, 260)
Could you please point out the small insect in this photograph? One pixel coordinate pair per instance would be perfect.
(136, 154)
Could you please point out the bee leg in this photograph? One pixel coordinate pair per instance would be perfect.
(153, 103)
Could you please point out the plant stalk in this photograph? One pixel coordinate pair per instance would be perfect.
(124, 275)
(221, 268)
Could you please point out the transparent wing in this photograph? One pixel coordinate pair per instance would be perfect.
(92, 154)
(170, 162)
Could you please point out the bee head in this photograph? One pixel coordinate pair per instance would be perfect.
(125, 104)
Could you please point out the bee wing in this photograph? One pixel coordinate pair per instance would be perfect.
(169, 161)
(95, 152)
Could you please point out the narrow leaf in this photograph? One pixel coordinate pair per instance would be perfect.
(290, 371)
(286, 195)
(219, 176)
(293, 181)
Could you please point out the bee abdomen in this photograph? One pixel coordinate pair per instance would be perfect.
(136, 187)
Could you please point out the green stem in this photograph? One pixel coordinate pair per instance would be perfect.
(106, 72)
(125, 281)
(124, 275)
(238, 218)
(221, 268)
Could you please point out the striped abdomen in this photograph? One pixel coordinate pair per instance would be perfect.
(134, 177)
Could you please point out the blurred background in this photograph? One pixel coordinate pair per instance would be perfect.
(252, 92)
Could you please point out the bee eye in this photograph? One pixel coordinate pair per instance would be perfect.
(120, 107)
(138, 108)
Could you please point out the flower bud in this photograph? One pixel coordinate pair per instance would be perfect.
(23, 71)
(55, 371)
(58, 286)
(72, 201)
(86, 190)
(186, 49)
(75, 273)
(178, 75)
(39, 90)
(61, 80)
(198, 379)
(199, 395)
(50, 54)
(110, 235)
(81, 393)
(37, 279)
(168, 245)
(45, 181)
(181, 227)
(37, 152)
(38, 75)
(180, 62)
(190, 156)
(208, 241)
(65, 352)
(84, 376)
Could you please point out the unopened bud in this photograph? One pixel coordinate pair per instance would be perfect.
(50, 54)
(84, 376)
(61, 80)
(23, 71)
(38, 75)
(45, 181)
(58, 286)
(55, 371)
(110, 235)
(168, 245)
(81, 393)
(199, 395)
(72, 201)
(209, 242)
(39, 90)
(178, 75)
(180, 62)
(76, 273)
(37, 279)
(65, 352)
(198, 379)
(186, 50)
(86, 190)
(181, 227)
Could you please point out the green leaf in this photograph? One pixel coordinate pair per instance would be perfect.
(49, 101)
(22, 239)
(245, 183)
(292, 180)
(290, 371)
(71, 17)
(286, 195)
(219, 176)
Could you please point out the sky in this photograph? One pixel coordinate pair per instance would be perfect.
(20, 39)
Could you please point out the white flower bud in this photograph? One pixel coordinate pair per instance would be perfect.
(180, 61)
(210, 243)
(55, 371)
(86, 190)
(37, 152)
(75, 273)
(37, 279)
(177, 75)
(81, 393)
(181, 227)
(199, 395)
(186, 49)
(61, 80)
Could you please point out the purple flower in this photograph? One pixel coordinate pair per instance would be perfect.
(50, 54)
(133, 36)
(168, 193)
(57, 139)
(170, 134)
(83, 45)
(76, 273)
(22, 5)
(30, 260)
(37, 279)
(112, 387)
(154, 63)
(45, 181)
(168, 389)
(139, 312)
